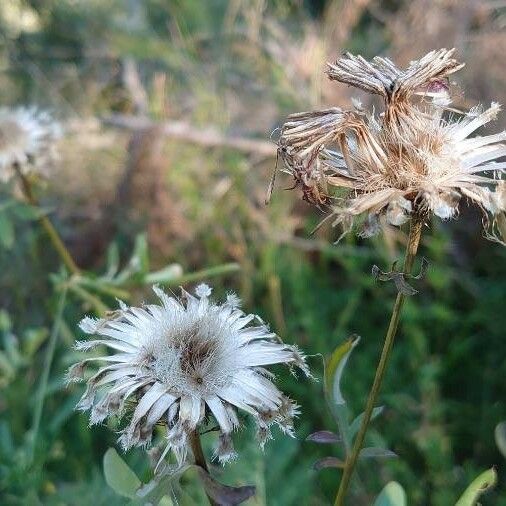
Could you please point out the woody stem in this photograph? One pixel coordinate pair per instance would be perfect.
(351, 461)
(200, 459)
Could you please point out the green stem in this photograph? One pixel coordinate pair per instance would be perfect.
(200, 459)
(94, 301)
(41, 394)
(53, 235)
(102, 287)
(351, 461)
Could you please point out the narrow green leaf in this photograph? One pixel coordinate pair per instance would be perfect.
(25, 212)
(5, 321)
(392, 495)
(119, 476)
(500, 437)
(376, 453)
(484, 482)
(33, 340)
(162, 484)
(6, 231)
(355, 425)
(11, 347)
(340, 414)
(112, 260)
(44, 378)
(164, 275)
(140, 258)
(6, 440)
(335, 367)
(7, 370)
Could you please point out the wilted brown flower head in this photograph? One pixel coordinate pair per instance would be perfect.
(413, 158)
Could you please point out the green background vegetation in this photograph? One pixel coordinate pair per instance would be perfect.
(239, 68)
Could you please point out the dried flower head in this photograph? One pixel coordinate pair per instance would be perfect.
(181, 362)
(414, 158)
(27, 141)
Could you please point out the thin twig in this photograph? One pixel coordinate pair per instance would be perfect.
(208, 137)
(351, 461)
(46, 224)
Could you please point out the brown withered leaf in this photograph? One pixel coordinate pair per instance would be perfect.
(328, 462)
(323, 437)
(225, 495)
(399, 278)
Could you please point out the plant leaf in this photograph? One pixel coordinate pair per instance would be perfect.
(500, 437)
(119, 476)
(376, 453)
(392, 495)
(33, 339)
(7, 370)
(140, 257)
(6, 231)
(162, 484)
(323, 437)
(328, 462)
(225, 495)
(481, 484)
(335, 367)
(164, 275)
(112, 260)
(27, 212)
(355, 425)
(5, 321)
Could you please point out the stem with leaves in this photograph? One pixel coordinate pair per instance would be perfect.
(415, 232)
(53, 235)
(41, 394)
(200, 459)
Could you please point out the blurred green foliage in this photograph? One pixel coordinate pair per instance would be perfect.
(444, 393)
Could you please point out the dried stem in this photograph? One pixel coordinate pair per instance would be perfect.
(54, 237)
(207, 137)
(200, 459)
(351, 461)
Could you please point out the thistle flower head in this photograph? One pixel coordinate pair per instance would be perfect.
(414, 158)
(27, 141)
(181, 362)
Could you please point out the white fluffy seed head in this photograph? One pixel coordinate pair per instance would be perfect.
(193, 355)
(182, 360)
(27, 141)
